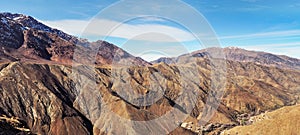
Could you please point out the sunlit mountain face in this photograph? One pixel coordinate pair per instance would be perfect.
(126, 70)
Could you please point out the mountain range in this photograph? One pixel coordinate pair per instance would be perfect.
(55, 83)
(23, 38)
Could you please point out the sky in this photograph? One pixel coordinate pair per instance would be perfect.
(151, 29)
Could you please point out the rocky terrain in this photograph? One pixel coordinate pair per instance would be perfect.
(280, 122)
(13, 126)
(49, 96)
(241, 55)
(54, 83)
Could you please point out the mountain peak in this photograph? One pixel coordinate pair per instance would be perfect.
(14, 16)
(24, 38)
(28, 22)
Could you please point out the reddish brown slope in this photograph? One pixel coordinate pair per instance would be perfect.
(24, 38)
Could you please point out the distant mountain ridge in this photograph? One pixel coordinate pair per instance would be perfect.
(23, 37)
(240, 55)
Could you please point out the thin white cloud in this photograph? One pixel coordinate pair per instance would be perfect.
(100, 27)
(74, 27)
(286, 45)
(277, 42)
(290, 49)
(250, 0)
(129, 31)
(156, 19)
(153, 55)
(253, 8)
(265, 34)
(294, 5)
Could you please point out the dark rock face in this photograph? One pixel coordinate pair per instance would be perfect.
(34, 94)
(165, 60)
(9, 126)
(28, 22)
(11, 34)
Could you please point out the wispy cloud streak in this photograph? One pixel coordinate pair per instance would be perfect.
(265, 34)
(127, 31)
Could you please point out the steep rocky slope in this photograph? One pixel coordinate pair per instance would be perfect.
(58, 84)
(57, 99)
(24, 38)
(34, 94)
(13, 126)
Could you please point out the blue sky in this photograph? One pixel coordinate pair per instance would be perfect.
(264, 25)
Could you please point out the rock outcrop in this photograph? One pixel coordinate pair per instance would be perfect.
(13, 125)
